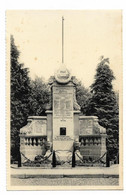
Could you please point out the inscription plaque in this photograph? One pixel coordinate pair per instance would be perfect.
(63, 102)
(62, 117)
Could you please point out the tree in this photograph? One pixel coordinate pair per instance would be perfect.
(103, 103)
(40, 96)
(20, 92)
(82, 96)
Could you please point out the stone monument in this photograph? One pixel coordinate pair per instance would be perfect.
(63, 130)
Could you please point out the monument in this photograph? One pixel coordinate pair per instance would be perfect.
(63, 129)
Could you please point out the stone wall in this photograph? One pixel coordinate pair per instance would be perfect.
(33, 138)
(92, 138)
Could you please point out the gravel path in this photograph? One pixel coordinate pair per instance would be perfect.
(64, 181)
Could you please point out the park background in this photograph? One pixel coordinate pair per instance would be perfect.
(45, 5)
(36, 43)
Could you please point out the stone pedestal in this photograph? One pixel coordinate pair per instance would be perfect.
(49, 129)
(63, 125)
(103, 145)
(76, 125)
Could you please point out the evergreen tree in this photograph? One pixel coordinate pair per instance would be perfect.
(82, 96)
(20, 92)
(40, 97)
(103, 103)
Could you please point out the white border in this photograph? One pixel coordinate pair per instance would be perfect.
(50, 4)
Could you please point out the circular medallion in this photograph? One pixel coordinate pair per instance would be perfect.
(62, 75)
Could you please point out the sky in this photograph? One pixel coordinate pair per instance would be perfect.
(88, 34)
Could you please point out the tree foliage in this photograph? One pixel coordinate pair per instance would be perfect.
(103, 103)
(20, 91)
(40, 96)
(82, 96)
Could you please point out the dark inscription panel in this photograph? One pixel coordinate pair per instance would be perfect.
(63, 102)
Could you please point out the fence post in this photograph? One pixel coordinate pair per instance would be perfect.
(73, 159)
(19, 159)
(107, 159)
(54, 159)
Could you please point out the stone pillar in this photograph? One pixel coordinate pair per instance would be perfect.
(49, 126)
(76, 125)
(103, 145)
(22, 147)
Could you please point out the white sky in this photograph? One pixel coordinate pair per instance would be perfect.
(87, 36)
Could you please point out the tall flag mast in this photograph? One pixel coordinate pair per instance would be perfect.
(62, 39)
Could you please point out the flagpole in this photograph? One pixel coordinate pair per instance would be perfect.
(62, 39)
